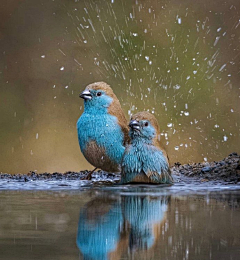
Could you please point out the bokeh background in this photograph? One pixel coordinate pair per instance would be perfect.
(177, 59)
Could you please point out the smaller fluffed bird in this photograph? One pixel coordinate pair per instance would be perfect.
(144, 160)
(102, 128)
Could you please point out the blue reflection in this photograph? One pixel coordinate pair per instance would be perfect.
(99, 228)
(104, 223)
(143, 214)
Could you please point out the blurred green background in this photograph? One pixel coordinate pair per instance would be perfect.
(177, 59)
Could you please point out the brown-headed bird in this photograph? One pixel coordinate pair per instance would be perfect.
(144, 160)
(102, 128)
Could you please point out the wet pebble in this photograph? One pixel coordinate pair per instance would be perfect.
(206, 169)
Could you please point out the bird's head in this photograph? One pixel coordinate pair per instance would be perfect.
(98, 95)
(144, 125)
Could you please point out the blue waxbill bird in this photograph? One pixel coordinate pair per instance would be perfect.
(144, 160)
(102, 128)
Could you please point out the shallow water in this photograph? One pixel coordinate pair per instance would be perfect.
(127, 222)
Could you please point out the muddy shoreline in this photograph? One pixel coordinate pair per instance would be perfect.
(226, 171)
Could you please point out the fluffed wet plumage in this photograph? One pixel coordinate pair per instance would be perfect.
(144, 160)
(102, 128)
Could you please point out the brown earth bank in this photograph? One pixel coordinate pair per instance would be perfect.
(226, 170)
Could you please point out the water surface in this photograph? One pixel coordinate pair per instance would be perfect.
(131, 222)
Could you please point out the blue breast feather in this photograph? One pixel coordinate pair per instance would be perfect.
(142, 158)
(102, 128)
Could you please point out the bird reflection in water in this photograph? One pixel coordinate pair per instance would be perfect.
(110, 228)
(145, 216)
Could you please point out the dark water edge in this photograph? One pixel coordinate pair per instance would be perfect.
(224, 172)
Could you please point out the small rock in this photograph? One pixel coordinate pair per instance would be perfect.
(206, 169)
(177, 164)
(233, 154)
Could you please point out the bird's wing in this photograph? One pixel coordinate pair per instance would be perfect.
(163, 177)
(116, 110)
(157, 168)
(126, 135)
(162, 147)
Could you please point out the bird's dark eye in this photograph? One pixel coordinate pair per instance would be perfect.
(146, 124)
(99, 94)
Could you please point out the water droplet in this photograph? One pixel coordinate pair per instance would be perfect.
(216, 40)
(223, 66)
(177, 86)
(147, 58)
